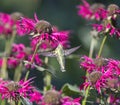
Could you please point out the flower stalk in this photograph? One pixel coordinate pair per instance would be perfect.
(31, 62)
(8, 46)
(102, 45)
(47, 78)
(92, 45)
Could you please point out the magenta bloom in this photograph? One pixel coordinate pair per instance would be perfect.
(114, 100)
(18, 53)
(110, 23)
(25, 26)
(103, 73)
(6, 24)
(36, 60)
(89, 12)
(69, 101)
(51, 41)
(35, 97)
(108, 28)
(14, 90)
(43, 31)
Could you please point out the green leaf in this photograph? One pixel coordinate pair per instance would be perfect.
(71, 90)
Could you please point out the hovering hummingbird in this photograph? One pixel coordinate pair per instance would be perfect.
(60, 54)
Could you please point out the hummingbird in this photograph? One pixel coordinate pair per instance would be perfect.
(60, 54)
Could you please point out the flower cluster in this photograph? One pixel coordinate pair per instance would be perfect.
(103, 73)
(108, 17)
(90, 12)
(20, 53)
(110, 25)
(44, 33)
(8, 23)
(14, 91)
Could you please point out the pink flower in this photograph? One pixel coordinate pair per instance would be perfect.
(25, 26)
(6, 24)
(95, 11)
(18, 53)
(69, 101)
(44, 32)
(14, 90)
(35, 97)
(84, 10)
(98, 27)
(36, 60)
(109, 23)
(103, 73)
(114, 100)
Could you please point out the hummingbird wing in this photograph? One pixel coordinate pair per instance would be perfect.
(48, 54)
(69, 51)
(60, 54)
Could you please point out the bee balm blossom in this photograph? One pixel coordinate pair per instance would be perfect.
(43, 31)
(14, 90)
(103, 73)
(8, 23)
(35, 97)
(89, 12)
(70, 101)
(110, 24)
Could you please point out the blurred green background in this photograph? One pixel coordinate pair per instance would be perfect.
(63, 14)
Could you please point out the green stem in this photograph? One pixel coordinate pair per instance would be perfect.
(36, 49)
(92, 45)
(19, 103)
(47, 78)
(8, 47)
(101, 46)
(4, 73)
(17, 74)
(3, 102)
